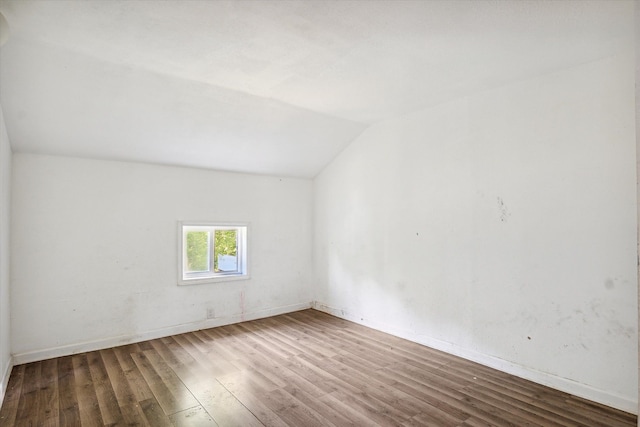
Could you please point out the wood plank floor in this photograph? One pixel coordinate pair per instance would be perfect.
(301, 369)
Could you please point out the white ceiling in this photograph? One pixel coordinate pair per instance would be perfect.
(271, 87)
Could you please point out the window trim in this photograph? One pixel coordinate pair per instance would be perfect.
(211, 277)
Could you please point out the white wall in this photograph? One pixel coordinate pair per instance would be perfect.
(5, 221)
(501, 227)
(637, 93)
(94, 251)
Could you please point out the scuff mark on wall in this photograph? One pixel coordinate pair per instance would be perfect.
(504, 212)
(242, 306)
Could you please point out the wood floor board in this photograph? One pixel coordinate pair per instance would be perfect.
(357, 345)
(312, 373)
(368, 408)
(279, 364)
(154, 415)
(88, 405)
(595, 412)
(192, 342)
(299, 382)
(534, 412)
(335, 380)
(192, 417)
(167, 388)
(397, 353)
(9, 410)
(495, 395)
(453, 393)
(107, 400)
(217, 351)
(292, 411)
(133, 415)
(49, 392)
(269, 342)
(502, 380)
(137, 383)
(354, 416)
(184, 366)
(28, 395)
(292, 333)
(327, 412)
(116, 375)
(270, 354)
(250, 393)
(227, 346)
(491, 413)
(142, 346)
(297, 339)
(433, 418)
(474, 422)
(366, 392)
(523, 394)
(200, 356)
(439, 387)
(254, 358)
(225, 408)
(475, 376)
(405, 403)
(305, 368)
(428, 380)
(68, 405)
(433, 397)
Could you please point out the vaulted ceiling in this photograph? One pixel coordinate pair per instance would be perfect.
(270, 87)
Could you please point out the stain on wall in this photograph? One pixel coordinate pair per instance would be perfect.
(504, 212)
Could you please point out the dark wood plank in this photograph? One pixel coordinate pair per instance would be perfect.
(9, 410)
(69, 411)
(49, 392)
(136, 382)
(85, 391)
(133, 415)
(118, 379)
(107, 401)
(28, 396)
(154, 414)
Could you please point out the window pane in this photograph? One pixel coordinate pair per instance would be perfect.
(226, 251)
(197, 251)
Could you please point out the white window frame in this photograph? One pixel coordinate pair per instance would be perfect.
(210, 276)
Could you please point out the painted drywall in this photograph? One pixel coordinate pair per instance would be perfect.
(637, 92)
(94, 251)
(501, 227)
(5, 221)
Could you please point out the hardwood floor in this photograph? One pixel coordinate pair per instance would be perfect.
(301, 369)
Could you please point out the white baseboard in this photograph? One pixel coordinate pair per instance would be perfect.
(563, 384)
(37, 355)
(5, 379)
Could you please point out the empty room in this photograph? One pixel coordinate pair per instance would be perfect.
(318, 213)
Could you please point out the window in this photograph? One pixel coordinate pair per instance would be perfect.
(212, 252)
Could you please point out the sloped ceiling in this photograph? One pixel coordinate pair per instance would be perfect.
(270, 87)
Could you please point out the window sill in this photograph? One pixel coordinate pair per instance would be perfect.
(217, 279)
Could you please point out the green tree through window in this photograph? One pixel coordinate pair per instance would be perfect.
(226, 243)
(197, 251)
